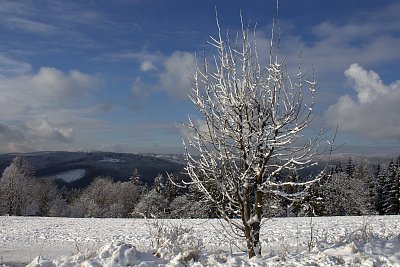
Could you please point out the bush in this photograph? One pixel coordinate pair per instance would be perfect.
(175, 242)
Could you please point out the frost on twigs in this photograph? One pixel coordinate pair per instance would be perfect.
(175, 242)
(253, 119)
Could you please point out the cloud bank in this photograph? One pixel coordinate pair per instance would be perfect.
(374, 113)
(40, 110)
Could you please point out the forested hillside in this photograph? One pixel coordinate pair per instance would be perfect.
(349, 186)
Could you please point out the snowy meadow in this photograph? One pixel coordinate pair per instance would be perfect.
(322, 241)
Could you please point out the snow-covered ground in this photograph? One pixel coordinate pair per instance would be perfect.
(70, 176)
(112, 160)
(339, 241)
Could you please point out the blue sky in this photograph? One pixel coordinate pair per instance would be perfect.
(113, 75)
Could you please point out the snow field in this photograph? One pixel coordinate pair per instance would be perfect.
(355, 241)
(71, 175)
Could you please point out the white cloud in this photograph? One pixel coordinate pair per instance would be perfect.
(37, 134)
(54, 83)
(29, 25)
(369, 38)
(141, 89)
(34, 93)
(9, 66)
(147, 65)
(174, 73)
(42, 110)
(376, 111)
(367, 84)
(177, 72)
(45, 129)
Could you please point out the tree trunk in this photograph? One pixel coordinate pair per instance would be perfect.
(249, 241)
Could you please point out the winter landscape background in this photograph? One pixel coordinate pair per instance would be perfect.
(290, 131)
(100, 184)
(370, 239)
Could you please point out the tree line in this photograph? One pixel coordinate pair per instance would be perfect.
(355, 189)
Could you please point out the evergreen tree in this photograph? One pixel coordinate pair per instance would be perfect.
(338, 168)
(364, 174)
(392, 190)
(380, 190)
(159, 184)
(350, 168)
(136, 178)
(344, 195)
(312, 203)
(171, 190)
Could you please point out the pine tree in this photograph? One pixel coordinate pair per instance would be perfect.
(171, 190)
(338, 168)
(392, 191)
(136, 177)
(350, 168)
(380, 190)
(363, 173)
(344, 195)
(312, 203)
(159, 184)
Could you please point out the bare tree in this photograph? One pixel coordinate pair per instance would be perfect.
(15, 185)
(253, 118)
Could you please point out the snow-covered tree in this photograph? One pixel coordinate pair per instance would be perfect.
(363, 173)
(185, 207)
(344, 195)
(350, 168)
(151, 205)
(381, 175)
(135, 178)
(159, 184)
(312, 203)
(171, 190)
(391, 203)
(126, 195)
(45, 194)
(105, 198)
(253, 118)
(15, 193)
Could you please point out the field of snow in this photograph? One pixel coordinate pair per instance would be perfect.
(337, 241)
(70, 176)
(112, 160)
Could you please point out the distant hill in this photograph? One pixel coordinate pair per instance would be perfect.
(78, 169)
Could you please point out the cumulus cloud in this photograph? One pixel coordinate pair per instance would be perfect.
(173, 75)
(176, 77)
(147, 65)
(26, 93)
(39, 110)
(51, 82)
(375, 111)
(36, 134)
(367, 84)
(44, 129)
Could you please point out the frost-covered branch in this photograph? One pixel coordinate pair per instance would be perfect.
(252, 129)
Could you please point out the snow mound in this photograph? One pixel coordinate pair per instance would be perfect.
(379, 252)
(111, 255)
